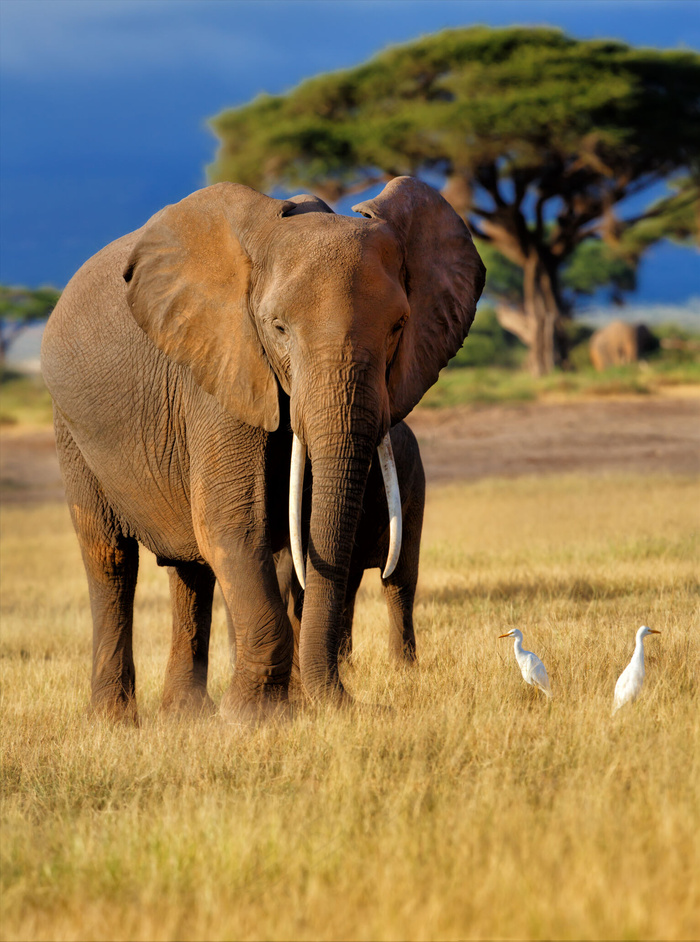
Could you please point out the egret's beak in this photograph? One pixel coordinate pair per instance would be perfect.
(653, 631)
(506, 635)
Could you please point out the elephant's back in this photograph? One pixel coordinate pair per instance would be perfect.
(89, 325)
(103, 372)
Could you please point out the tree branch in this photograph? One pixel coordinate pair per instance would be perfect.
(515, 321)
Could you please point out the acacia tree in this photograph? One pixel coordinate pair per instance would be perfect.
(592, 266)
(596, 264)
(536, 139)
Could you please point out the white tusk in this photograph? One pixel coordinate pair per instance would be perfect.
(393, 499)
(296, 486)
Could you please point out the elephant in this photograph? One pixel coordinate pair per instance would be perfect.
(372, 540)
(619, 343)
(195, 365)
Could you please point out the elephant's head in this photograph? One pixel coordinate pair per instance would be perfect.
(353, 317)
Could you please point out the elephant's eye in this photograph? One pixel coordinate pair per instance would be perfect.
(398, 325)
(279, 327)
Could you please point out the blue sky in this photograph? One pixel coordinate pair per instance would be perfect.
(104, 102)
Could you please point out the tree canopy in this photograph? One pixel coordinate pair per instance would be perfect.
(538, 139)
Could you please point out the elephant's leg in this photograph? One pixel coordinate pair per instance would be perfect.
(264, 639)
(400, 587)
(354, 579)
(400, 596)
(191, 595)
(230, 516)
(111, 565)
(400, 593)
(231, 638)
(293, 600)
(259, 629)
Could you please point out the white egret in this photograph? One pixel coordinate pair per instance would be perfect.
(629, 683)
(531, 667)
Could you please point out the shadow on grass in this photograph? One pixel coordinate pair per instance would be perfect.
(579, 590)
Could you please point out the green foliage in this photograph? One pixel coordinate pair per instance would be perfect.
(27, 304)
(528, 99)
(488, 344)
(20, 307)
(536, 135)
(504, 279)
(673, 217)
(491, 383)
(594, 265)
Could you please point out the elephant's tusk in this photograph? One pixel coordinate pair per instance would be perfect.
(296, 486)
(393, 499)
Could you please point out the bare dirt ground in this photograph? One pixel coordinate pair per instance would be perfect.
(646, 435)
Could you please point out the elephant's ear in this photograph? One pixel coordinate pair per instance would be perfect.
(188, 283)
(444, 278)
(306, 203)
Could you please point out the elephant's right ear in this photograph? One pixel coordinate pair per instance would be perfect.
(188, 283)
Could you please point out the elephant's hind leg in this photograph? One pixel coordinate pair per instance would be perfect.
(345, 644)
(399, 599)
(111, 562)
(400, 587)
(191, 595)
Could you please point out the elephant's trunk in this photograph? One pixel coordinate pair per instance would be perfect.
(393, 495)
(341, 442)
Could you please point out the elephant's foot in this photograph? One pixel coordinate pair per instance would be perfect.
(116, 709)
(405, 657)
(187, 701)
(257, 712)
(402, 650)
(250, 707)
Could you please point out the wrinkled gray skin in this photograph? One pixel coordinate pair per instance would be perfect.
(370, 552)
(619, 343)
(180, 359)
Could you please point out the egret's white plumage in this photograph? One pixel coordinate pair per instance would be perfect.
(531, 667)
(629, 683)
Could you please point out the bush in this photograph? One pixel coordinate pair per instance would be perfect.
(24, 400)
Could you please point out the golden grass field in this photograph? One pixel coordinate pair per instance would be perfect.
(471, 809)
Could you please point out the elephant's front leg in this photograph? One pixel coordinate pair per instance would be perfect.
(229, 494)
(263, 635)
(191, 595)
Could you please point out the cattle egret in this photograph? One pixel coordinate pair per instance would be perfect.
(531, 667)
(629, 683)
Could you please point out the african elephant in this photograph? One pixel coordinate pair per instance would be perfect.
(619, 343)
(195, 365)
(372, 541)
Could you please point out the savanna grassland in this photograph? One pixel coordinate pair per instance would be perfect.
(470, 808)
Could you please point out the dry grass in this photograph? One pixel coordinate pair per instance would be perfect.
(471, 809)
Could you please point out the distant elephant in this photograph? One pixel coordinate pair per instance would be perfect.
(619, 343)
(372, 541)
(188, 360)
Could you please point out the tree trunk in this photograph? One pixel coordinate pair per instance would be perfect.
(543, 314)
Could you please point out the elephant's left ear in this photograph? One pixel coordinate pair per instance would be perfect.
(444, 279)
